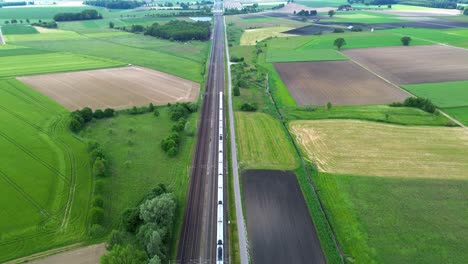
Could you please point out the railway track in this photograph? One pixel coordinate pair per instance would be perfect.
(197, 243)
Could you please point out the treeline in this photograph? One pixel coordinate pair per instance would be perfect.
(180, 30)
(80, 117)
(15, 4)
(417, 102)
(100, 170)
(115, 4)
(146, 231)
(83, 15)
(306, 12)
(44, 24)
(178, 112)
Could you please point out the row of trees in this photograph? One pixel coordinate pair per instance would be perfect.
(115, 4)
(83, 15)
(100, 170)
(178, 112)
(80, 117)
(15, 4)
(306, 12)
(146, 231)
(180, 30)
(340, 42)
(51, 24)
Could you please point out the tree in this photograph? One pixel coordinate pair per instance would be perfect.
(236, 91)
(99, 167)
(331, 13)
(151, 107)
(405, 40)
(98, 114)
(131, 220)
(124, 255)
(155, 260)
(156, 112)
(96, 215)
(75, 125)
(7, 22)
(159, 210)
(116, 238)
(329, 105)
(98, 201)
(27, 20)
(86, 114)
(339, 42)
(109, 112)
(111, 24)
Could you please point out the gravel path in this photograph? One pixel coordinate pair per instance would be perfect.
(241, 231)
(2, 40)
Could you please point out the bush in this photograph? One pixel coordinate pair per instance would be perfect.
(236, 91)
(98, 114)
(405, 41)
(109, 112)
(98, 201)
(356, 29)
(236, 59)
(116, 237)
(156, 112)
(96, 230)
(248, 107)
(131, 220)
(151, 107)
(87, 114)
(465, 12)
(76, 123)
(417, 102)
(338, 30)
(98, 187)
(96, 215)
(99, 167)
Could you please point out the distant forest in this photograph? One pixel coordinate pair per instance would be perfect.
(180, 30)
(448, 4)
(115, 4)
(83, 15)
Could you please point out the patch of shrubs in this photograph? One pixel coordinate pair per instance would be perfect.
(338, 30)
(248, 107)
(80, 117)
(46, 24)
(236, 59)
(236, 91)
(356, 29)
(417, 102)
(306, 13)
(96, 216)
(171, 144)
(146, 231)
(180, 30)
(181, 110)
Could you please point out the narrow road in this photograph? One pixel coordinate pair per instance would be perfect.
(197, 242)
(241, 229)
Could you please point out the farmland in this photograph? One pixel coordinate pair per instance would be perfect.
(262, 143)
(252, 36)
(279, 226)
(304, 55)
(338, 82)
(366, 170)
(50, 62)
(42, 166)
(449, 94)
(459, 113)
(109, 88)
(412, 65)
(18, 29)
(367, 148)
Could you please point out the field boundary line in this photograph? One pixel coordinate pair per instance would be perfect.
(2, 39)
(241, 230)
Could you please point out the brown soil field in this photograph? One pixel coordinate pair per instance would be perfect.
(117, 88)
(414, 64)
(338, 82)
(86, 255)
(279, 225)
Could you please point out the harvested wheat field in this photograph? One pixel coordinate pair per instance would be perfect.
(117, 88)
(374, 149)
(414, 64)
(338, 82)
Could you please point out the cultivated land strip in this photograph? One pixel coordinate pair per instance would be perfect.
(241, 230)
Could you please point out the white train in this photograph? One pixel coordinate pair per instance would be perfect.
(220, 218)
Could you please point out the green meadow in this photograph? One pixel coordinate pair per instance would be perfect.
(459, 113)
(43, 166)
(447, 94)
(18, 29)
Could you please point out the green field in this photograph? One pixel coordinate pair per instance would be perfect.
(365, 17)
(394, 220)
(447, 94)
(459, 113)
(304, 55)
(378, 113)
(43, 165)
(50, 62)
(262, 143)
(353, 40)
(20, 51)
(322, 3)
(137, 162)
(454, 37)
(181, 59)
(18, 29)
